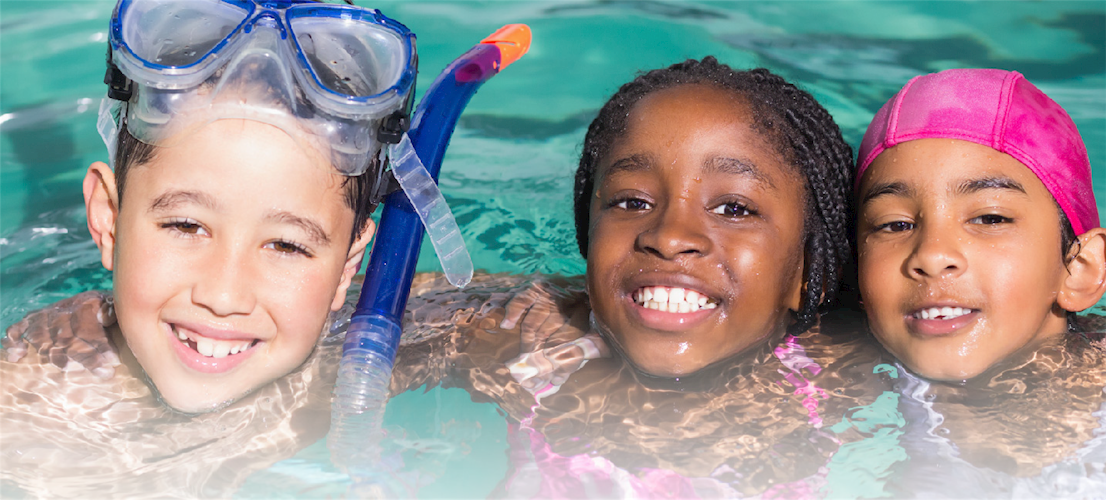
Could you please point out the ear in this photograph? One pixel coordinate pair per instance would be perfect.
(353, 264)
(101, 201)
(1086, 279)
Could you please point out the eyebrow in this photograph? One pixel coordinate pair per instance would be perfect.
(735, 166)
(887, 189)
(717, 164)
(632, 163)
(174, 199)
(313, 229)
(969, 186)
(976, 185)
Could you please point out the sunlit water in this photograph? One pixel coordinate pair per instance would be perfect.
(508, 177)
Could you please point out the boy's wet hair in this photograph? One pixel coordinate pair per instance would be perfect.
(800, 129)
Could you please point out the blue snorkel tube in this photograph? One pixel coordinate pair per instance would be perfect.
(374, 332)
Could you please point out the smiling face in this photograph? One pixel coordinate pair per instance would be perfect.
(228, 254)
(696, 233)
(959, 256)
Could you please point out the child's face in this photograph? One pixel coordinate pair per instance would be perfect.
(228, 254)
(691, 201)
(959, 255)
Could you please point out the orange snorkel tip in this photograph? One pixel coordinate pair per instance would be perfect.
(512, 40)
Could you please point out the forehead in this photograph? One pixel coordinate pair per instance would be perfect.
(692, 125)
(250, 155)
(944, 165)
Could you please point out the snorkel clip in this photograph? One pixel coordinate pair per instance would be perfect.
(120, 87)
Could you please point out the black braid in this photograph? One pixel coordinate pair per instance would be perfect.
(801, 130)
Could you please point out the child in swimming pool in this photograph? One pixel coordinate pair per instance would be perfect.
(712, 207)
(978, 241)
(978, 233)
(233, 217)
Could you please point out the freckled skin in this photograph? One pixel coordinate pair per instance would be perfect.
(750, 262)
(995, 251)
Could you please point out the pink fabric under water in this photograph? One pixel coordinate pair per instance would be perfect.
(537, 471)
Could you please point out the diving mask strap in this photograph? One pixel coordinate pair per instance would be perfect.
(433, 211)
(107, 123)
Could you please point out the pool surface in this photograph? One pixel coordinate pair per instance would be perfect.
(508, 173)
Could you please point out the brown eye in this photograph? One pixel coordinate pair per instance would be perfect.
(289, 248)
(188, 227)
(896, 226)
(990, 219)
(633, 204)
(185, 227)
(732, 210)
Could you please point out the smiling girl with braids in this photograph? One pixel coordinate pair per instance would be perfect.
(712, 206)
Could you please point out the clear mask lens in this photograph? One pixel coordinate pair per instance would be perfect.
(332, 72)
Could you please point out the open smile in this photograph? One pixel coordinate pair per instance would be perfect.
(940, 320)
(209, 355)
(672, 309)
(673, 299)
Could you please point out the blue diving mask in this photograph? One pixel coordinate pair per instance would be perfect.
(338, 79)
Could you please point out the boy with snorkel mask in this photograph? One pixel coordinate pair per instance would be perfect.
(248, 171)
(246, 143)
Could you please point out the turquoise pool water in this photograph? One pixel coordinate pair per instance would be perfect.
(508, 172)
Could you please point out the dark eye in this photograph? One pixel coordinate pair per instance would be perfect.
(896, 226)
(633, 204)
(990, 219)
(288, 247)
(186, 227)
(732, 210)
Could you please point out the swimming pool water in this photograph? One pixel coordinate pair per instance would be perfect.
(508, 172)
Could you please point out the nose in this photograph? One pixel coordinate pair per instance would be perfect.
(676, 230)
(223, 284)
(937, 253)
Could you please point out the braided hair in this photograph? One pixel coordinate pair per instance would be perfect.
(800, 129)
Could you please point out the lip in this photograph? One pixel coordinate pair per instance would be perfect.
(667, 321)
(203, 364)
(940, 327)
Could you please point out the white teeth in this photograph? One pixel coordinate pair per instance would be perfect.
(205, 347)
(216, 348)
(672, 299)
(942, 312)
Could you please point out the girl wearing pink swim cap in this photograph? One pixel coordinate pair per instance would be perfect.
(978, 234)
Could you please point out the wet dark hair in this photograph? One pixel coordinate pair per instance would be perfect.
(802, 132)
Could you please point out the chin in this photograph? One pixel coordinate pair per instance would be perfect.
(955, 373)
(194, 403)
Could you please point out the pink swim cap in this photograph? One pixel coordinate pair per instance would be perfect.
(998, 109)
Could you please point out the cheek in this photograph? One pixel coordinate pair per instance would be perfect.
(300, 298)
(1023, 277)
